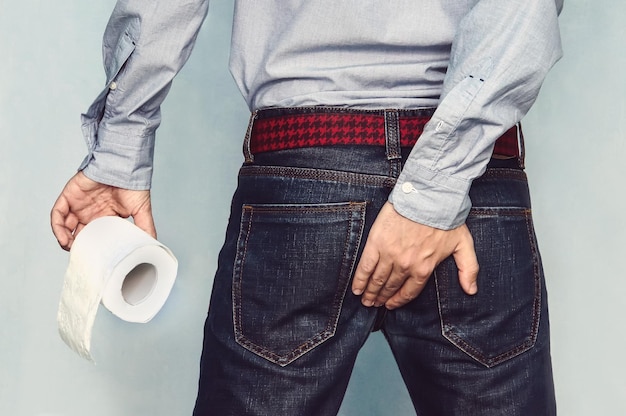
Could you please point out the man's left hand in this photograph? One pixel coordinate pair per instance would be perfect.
(400, 255)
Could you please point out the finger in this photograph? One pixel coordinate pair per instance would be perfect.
(64, 238)
(376, 282)
(410, 290)
(144, 220)
(71, 222)
(365, 268)
(395, 281)
(467, 264)
(58, 216)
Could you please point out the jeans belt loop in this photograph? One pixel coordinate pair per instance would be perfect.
(520, 145)
(392, 142)
(392, 135)
(247, 152)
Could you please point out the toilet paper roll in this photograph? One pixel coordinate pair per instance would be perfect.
(114, 262)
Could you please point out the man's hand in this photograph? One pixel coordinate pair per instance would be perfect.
(83, 200)
(400, 255)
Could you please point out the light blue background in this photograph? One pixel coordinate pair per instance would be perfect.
(50, 71)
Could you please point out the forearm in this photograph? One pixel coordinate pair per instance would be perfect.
(500, 57)
(145, 45)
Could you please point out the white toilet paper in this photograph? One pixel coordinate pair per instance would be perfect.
(114, 262)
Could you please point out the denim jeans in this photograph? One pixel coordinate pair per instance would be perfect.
(284, 329)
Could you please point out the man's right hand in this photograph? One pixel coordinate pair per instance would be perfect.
(83, 200)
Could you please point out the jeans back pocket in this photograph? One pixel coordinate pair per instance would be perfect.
(502, 320)
(291, 273)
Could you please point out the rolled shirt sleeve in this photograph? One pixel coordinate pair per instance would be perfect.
(500, 56)
(145, 45)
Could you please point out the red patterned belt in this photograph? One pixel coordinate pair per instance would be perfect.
(292, 128)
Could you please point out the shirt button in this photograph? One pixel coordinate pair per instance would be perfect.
(407, 187)
(113, 85)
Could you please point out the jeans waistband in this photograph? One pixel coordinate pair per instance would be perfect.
(291, 128)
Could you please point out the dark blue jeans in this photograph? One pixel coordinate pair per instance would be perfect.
(284, 329)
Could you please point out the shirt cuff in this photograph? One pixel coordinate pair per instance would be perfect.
(121, 161)
(431, 198)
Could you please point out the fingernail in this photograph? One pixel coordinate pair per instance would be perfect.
(473, 288)
(357, 292)
(368, 303)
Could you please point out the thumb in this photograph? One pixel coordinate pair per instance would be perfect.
(144, 220)
(467, 265)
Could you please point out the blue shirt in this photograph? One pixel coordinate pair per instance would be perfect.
(480, 62)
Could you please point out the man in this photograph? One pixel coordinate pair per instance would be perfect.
(336, 191)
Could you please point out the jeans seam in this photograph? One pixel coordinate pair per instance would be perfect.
(503, 173)
(536, 265)
(353, 178)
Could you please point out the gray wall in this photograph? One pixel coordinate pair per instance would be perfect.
(50, 71)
